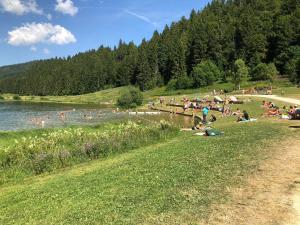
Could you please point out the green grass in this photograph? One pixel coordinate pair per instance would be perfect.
(110, 96)
(45, 151)
(174, 182)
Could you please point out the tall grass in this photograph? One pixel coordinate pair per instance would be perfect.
(65, 147)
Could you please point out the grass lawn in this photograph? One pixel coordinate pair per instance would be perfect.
(172, 182)
(110, 96)
(107, 96)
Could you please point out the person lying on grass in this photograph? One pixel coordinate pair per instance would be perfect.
(244, 117)
(272, 112)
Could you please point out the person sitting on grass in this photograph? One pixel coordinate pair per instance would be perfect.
(244, 117)
(237, 112)
(226, 110)
(197, 123)
(294, 113)
(213, 118)
(265, 104)
(186, 106)
(292, 110)
(272, 105)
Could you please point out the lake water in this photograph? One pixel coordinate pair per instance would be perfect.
(22, 116)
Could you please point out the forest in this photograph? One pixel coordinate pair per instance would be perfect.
(236, 40)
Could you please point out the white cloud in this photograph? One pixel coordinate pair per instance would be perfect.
(19, 7)
(66, 7)
(33, 33)
(33, 49)
(46, 51)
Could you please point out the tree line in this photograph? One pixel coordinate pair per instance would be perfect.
(241, 39)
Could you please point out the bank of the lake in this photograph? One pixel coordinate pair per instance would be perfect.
(109, 96)
(174, 181)
(138, 172)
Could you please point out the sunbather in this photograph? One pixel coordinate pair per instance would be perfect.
(237, 112)
(244, 117)
(273, 112)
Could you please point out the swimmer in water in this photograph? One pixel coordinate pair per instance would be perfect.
(62, 116)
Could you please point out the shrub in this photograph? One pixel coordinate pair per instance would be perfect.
(1, 97)
(130, 99)
(16, 97)
(264, 72)
(182, 82)
(171, 85)
(205, 73)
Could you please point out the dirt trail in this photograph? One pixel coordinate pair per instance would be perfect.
(275, 97)
(271, 196)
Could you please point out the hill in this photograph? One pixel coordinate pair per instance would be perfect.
(264, 34)
(14, 70)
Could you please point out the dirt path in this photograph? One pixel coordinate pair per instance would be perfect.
(271, 196)
(275, 97)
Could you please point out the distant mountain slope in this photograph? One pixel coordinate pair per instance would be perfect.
(263, 34)
(13, 70)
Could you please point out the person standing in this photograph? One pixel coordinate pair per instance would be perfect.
(205, 112)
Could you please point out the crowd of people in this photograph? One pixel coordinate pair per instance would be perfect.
(205, 106)
(291, 112)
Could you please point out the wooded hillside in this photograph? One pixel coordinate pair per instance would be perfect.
(257, 32)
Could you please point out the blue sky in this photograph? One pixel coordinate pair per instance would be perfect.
(39, 29)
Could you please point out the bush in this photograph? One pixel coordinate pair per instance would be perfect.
(130, 99)
(182, 82)
(1, 97)
(205, 73)
(16, 97)
(171, 85)
(264, 72)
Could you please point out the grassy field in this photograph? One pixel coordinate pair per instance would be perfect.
(172, 182)
(109, 96)
(165, 178)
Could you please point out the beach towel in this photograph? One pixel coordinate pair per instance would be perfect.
(218, 99)
(213, 132)
(247, 121)
(233, 99)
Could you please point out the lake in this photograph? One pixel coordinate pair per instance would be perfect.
(23, 116)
